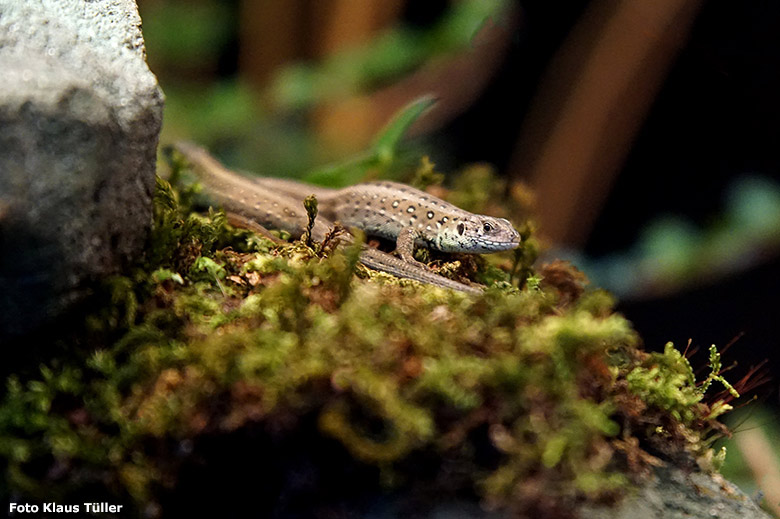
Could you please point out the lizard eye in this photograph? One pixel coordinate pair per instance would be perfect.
(461, 229)
(487, 227)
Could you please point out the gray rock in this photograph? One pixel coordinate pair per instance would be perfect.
(673, 493)
(80, 115)
(669, 493)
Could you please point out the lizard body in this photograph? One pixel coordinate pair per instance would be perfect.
(270, 207)
(407, 215)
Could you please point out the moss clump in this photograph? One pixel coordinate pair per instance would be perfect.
(231, 347)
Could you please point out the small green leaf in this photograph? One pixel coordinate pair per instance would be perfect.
(161, 275)
(208, 266)
(385, 145)
(344, 173)
(382, 152)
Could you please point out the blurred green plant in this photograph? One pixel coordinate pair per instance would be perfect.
(187, 35)
(395, 52)
(672, 252)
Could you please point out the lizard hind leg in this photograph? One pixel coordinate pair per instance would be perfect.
(237, 220)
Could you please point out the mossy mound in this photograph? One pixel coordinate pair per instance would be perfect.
(236, 371)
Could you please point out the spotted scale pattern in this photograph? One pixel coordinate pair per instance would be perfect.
(387, 208)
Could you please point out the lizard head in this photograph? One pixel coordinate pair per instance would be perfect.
(479, 234)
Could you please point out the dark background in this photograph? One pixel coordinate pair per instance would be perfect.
(715, 119)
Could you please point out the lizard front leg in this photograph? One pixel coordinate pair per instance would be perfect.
(404, 246)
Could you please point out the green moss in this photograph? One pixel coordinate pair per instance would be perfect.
(531, 390)
(666, 381)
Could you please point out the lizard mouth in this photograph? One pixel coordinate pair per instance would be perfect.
(504, 245)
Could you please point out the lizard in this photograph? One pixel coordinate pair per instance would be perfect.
(407, 215)
(251, 203)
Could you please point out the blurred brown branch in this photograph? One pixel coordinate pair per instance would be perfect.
(456, 81)
(278, 33)
(270, 34)
(591, 104)
(759, 455)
